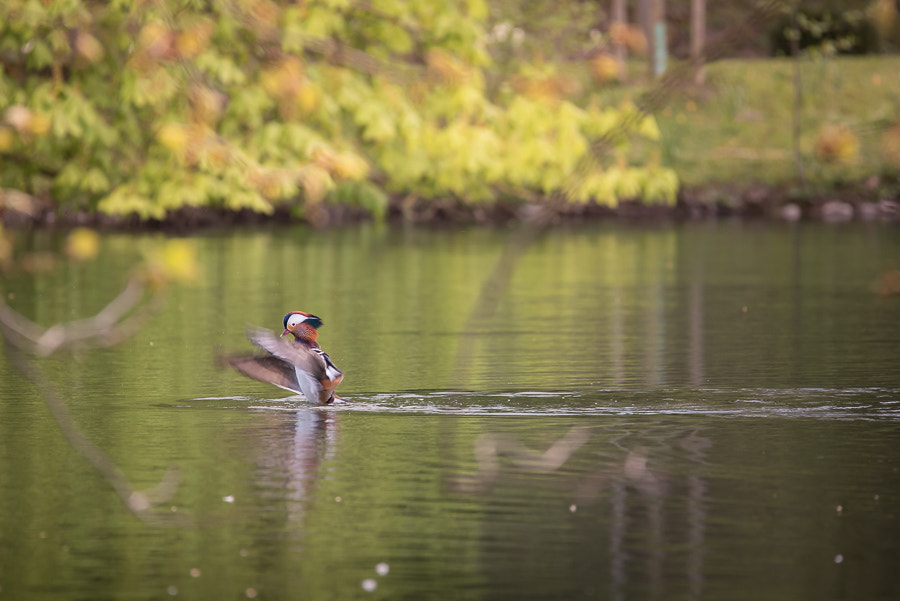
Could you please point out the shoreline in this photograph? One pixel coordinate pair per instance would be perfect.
(758, 203)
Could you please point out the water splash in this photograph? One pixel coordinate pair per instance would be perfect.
(810, 403)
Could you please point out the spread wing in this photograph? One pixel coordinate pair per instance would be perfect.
(269, 369)
(290, 366)
(296, 355)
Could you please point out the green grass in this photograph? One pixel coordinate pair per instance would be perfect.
(737, 128)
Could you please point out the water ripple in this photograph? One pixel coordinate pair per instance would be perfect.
(815, 403)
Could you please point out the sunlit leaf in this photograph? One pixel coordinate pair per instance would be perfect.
(88, 47)
(7, 139)
(95, 180)
(316, 183)
(19, 117)
(836, 144)
(649, 128)
(605, 69)
(41, 55)
(174, 136)
(125, 200)
(195, 39)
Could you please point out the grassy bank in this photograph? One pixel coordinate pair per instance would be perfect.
(737, 128)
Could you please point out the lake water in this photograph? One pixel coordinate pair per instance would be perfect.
(706, 411)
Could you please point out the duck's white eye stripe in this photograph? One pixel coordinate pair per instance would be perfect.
(296, 319)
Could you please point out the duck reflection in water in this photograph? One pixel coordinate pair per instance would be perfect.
(292, 454)
(291, 457)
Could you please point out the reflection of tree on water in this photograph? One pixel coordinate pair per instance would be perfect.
(25, 341)
(290, 461)
(648, 520)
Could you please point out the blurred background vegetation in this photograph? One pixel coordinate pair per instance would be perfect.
(148, 106)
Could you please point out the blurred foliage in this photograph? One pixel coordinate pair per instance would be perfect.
(844, 32)
(569, 31)
(725, 19)
(836, 143)
(148, 106)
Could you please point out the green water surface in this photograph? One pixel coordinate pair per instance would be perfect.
(706, 411)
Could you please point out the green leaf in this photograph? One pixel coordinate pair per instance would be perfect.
(41, 56)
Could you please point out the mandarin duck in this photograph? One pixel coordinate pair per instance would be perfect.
(299, 366)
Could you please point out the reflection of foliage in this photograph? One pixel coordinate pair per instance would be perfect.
(148, 107)
(121, 318)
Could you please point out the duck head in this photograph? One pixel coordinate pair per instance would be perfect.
(304, 326)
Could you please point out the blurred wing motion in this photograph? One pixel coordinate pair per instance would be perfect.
(294, 367)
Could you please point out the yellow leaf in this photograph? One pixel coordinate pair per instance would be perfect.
(156, 40)
(890, 145)
(446, 67)
(649, 128)
(604, 69)
(307, 97)
(125, 200)
(88, 47)
(836, 144)
(5, 249)
(40, 124)
(634, 39)
(207, 104)
(629, 184)
(194, 40)
(173, 136)
(316, 183)
(283, 79)
(19, 117)
(7, 139)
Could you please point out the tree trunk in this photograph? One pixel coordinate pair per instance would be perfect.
(645, 20)
(698, 40)
(618, 18)
(798, 98)
(658, 46)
